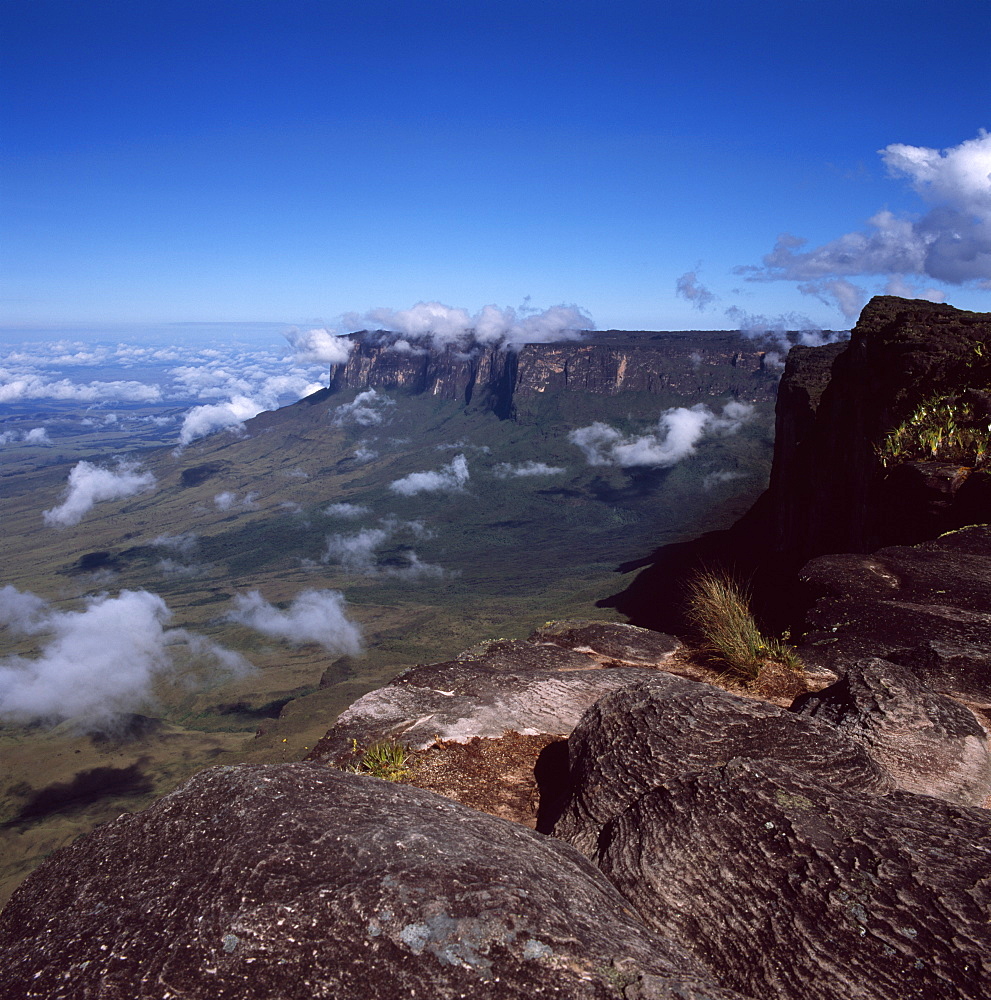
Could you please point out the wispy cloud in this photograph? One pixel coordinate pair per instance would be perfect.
(346, 510)
(949, 243)
(505, 469)
(689, 287)
(382, 551)
(312, 616)
(102, 662)
(679, 431)
(229, 500)
(367, 409)
(89, 484)
(783, 331)
(451, 478)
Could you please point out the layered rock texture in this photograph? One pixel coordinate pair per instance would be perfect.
(296, 881)
(698, 364)
(829, 491)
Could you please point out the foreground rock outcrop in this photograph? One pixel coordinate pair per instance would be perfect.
(533, 686)
(925, 606)
(637, 738)
(790, 888)
(927, 742)
(296, 881)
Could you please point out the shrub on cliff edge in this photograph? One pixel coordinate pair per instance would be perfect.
(719, 607)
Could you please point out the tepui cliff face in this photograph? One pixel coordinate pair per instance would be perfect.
(504, 379)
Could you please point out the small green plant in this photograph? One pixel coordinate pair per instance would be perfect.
(719, 607)
(387, 759)
(940, 428)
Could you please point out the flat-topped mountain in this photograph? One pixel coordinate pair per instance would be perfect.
(696, 364)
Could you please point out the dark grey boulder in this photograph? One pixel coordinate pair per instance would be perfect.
(786, 887)
(295, 881)
(927, 742)
(926, 606)
(637, 738)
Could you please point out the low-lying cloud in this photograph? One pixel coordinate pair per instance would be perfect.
(312, 616)
(449, 479)
(679, 431)
(383, 551)
(89, 484)
(228, 500)
(367, 409)
(37, 436)
(319, 346)
(103, 662)
(348, 511)
(442, 326)
(230, 416)
(950, 243)
(784, 331)
(505, 469)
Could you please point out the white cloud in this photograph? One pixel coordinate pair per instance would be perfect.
(361, 552)
(319, 346)
(450, 478)
(203, 420)
(689, 287)
(950, 243)
(312, 616)
(15, 387)
(445, 326)
(89, 484)
(228, 500)
(504, 469)
(346, 510)
(679, 431)
(367, 409)
(102, 662)
(38, 436)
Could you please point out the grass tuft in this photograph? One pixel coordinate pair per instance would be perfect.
(719, 607)
(387, 760)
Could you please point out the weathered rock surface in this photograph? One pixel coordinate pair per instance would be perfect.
(925, 606)
(698, 364)
(296, 881)
(637, 738)
(533, 686)
(827, 490)
(927, 742)
(787, 887)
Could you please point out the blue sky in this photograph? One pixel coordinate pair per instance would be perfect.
(290, 161)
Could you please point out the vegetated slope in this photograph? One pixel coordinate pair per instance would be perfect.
(425, 574)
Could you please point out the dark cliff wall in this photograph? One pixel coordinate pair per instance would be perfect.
(829, 491)
(694, 364)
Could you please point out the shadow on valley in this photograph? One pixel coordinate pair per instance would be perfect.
(82, 790)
